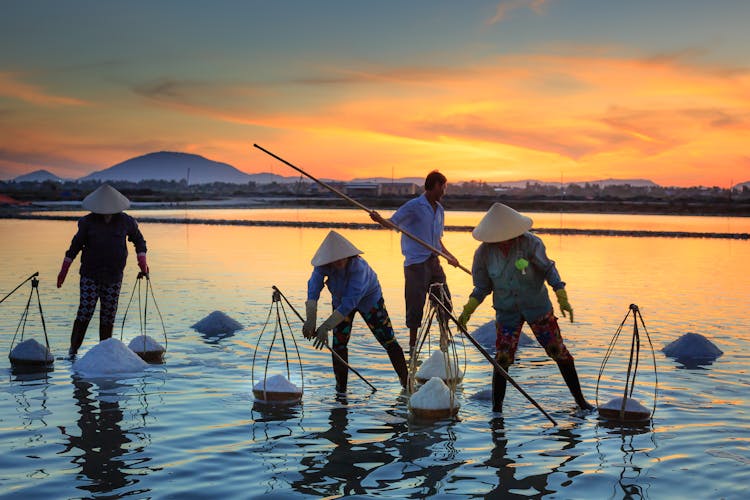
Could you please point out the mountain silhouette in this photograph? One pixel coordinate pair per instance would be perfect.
(38, 176)
(170, 166)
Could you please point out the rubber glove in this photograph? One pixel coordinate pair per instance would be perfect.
(63, 271)
(321, 335)
(142, 263)
(469, 309)
(562, 299)
(308, 328)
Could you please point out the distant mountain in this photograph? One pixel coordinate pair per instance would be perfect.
(419, 181)
(601, 182)
(38, 176)
(267, 178)
(170, 166)
(741, 185)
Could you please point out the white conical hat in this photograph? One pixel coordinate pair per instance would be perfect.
(333, 248)
(105, 200)
(501, 223)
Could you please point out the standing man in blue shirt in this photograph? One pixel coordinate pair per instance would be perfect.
(354, 287)
(424, 218)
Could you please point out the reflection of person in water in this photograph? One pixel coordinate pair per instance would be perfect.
(339, 473)
(102, 441)
(508, 485)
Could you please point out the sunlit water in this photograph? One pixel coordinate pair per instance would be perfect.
(190, 429)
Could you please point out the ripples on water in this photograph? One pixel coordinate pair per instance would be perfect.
(190, 427)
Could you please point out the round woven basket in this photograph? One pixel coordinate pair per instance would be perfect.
(277, 397)
(627, 416)
(151, 356)
(434, 414)
(448, 381)
(30, 362)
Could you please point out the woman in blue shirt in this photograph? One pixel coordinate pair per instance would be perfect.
(512, 264)
(354, 288)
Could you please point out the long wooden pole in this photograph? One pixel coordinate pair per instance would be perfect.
(19, 286)
(363, 207)
(335, 354)
(492, 361)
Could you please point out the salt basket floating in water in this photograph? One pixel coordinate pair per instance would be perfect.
(273, 350)
(442, 365)
(277, 389)
(631, 411)
(31, 353)
(433, 401)
(626, 409)
(148, 349)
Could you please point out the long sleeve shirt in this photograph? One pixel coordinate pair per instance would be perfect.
(518, 295)
(419, 218)
(354, 287)
(103, 247)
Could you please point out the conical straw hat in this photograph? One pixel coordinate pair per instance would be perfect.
(501, 223)
(105, 200)
(333, 248)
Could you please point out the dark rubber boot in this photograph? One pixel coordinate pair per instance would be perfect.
(498, 390)
(76, 336)
(396, 355)
(105, 331)
(412, 341)
(340, 370)
(569, 374)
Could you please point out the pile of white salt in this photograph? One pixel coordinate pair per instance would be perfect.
(434, 395)
(441, 365)
(31, 351)
(217, 323)
(109, 357)
(144, 343)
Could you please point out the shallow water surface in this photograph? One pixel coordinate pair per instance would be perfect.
(190, 428)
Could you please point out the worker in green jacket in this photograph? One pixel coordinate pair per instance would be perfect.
(512, 264)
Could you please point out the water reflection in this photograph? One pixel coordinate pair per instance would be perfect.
(631, 474)
(103, 450)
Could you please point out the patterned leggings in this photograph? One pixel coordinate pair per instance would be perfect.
(107, 293)
(377, 320)
(547, 333)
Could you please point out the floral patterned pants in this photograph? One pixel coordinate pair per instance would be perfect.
(377, 320)
(547, 333)
(107, 294)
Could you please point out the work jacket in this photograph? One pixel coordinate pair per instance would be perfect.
(354, 287)
(517, 294)
(104, 251)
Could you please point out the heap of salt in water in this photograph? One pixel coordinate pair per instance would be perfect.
(31, 352)
(433, 400)
(109, 357)
(692, 346)
(217, 323)
(147, 348)
(277, 389)
(634, 411)
(441, 365)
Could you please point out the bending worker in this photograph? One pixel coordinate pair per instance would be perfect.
(101, 240)
(423, 217)
(512, 264)
(354, 287)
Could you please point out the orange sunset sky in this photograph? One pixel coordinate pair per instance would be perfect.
(481, 90)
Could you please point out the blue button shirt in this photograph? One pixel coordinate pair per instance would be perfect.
(417, 217)
(354, 287)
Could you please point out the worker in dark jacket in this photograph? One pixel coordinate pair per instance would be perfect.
(512, 265)
(101, 240)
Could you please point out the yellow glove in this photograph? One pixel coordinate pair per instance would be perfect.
(469, 309)
(562, 299)
(311, 308)
(321, 335)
